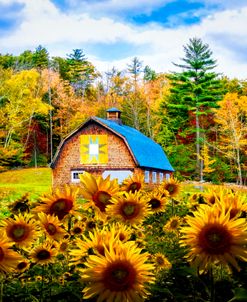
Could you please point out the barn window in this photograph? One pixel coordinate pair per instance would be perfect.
(161, 176)
(75, 176)
(119, 174)
(154, 177)
(146, 176)
(168, 176)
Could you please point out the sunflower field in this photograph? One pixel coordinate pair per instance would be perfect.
(104, 241)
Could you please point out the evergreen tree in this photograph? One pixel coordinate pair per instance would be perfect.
(81, 72)
(194, 92)
(41, 58)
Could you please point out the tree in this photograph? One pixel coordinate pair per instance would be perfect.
(21, 100)
(133, 105)
(80, 72)
(40, 58)
(194, 92)
(231, 119)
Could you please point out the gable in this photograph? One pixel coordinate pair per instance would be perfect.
(145, 152)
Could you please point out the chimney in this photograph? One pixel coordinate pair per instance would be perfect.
(114, 115)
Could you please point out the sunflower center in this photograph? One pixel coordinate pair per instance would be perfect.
(101, 199)
(1, 254)
(129, 210)
(170, 188)
(135, 186)
(43, 255)
(19, 232)
(174, 224)
(160, 260)
(215, 239)
(155, 203)
(77, 230)
(22, 265)
(121, 236)
(61, 207)
(63, 246)
(212, 199)
(91, 225)
(51, 229)
(119, 276)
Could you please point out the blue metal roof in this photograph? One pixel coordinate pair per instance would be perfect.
(146, 152)
(113, 109)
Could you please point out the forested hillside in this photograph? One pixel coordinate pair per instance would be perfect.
(197, 115)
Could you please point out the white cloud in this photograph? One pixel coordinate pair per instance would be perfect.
(60, 32)
(118, 6)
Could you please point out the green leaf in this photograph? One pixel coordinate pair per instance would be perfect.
(240, 294)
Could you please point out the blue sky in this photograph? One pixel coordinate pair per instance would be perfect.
(112, 32)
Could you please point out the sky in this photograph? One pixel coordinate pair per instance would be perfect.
(112, 32)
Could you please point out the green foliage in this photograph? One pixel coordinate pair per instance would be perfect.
(16, 183)
(40, 57)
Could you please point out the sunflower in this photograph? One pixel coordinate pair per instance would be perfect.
(20, 205)
(213, 237)
(131, 208)
(234, 202)
(52, 226)
(90, 224)
(60, 203)
(77, 229)
(22, 266)
(172, 185)
(22, 229)
(93, 244)
(173, 224)
(120, 275)
(133, 183)
(44, 253)
(98, 192)
(161, 262)
(157, 201)
(9, 259)
(64, 246)
(211, 195)
(121, 231)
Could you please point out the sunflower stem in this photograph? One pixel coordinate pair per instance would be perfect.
(173, 206)
(212, 287)
(1, 287)
(42, 284)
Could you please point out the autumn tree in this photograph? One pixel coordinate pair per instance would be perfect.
(231, 120)
(21, 93)
(133, 106)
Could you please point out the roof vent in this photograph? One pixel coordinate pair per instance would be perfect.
(113, 114)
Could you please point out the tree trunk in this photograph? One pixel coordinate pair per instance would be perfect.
(198, 161)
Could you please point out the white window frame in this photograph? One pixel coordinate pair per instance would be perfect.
(120, 175)
(154, 177)
(75, 179)
(168, 176)
(146, 176)
(161, 176)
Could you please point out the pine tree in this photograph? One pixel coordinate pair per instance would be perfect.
(194, 91)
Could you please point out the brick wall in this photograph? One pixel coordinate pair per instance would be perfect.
(119, 156)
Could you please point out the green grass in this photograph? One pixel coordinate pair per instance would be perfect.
(16, 183)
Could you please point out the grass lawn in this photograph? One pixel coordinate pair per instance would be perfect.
(16, 183)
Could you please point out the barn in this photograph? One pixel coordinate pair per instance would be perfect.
(107, 147)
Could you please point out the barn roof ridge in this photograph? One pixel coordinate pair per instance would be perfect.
(145, 151)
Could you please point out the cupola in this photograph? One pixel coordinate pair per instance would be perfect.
(113, 114)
